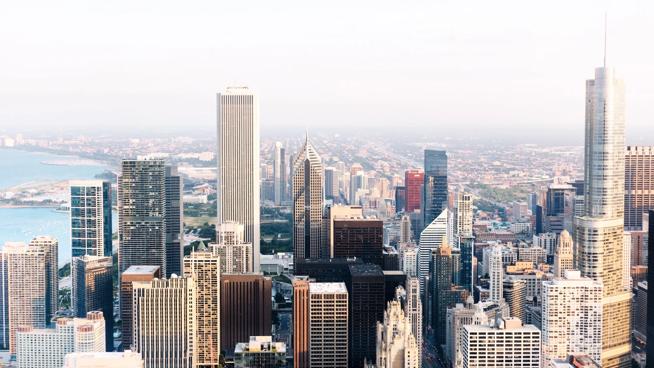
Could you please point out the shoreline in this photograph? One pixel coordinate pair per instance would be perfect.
(28, 206)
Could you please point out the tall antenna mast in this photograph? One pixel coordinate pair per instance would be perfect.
(605, 32)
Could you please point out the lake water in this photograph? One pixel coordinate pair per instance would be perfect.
(22, 224)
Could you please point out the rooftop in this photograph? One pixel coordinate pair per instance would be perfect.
(327, 287)
(141, 270)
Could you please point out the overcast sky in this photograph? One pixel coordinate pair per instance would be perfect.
(513, 69)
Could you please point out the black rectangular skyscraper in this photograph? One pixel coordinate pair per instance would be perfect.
(650, 296)
(435, 188)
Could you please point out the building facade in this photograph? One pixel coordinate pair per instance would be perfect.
(328, 325)
(90, 218)
(396, 345)
(174, 217)
(238, 163)
(638, 185)
(435, 184)
(127, 278)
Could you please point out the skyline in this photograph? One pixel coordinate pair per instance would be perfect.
(448, 58)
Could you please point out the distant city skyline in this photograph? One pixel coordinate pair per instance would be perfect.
(496, 70)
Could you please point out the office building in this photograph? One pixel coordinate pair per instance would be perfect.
(92, 284)
(515, 295)
(435, 184)
(367, 299)
(547, 241)
(46, 348)
(174, 217)
(431, 238)
(396, 345)
(326, 270)
(405, 229)
(640, 311)
(413, 309)
(237, 323)
(260, 351)
(204, 268)
(127, 359)
(301, 323)
(563, 257)
(572, 316)
(279, 173)
(496, 273)
(577, 360)
(463, 314)
(164, 322)
(650, 296)
(307, 193)
(413, 182)
(505, 343)
(409, 259)
(638, 185)
(31, 283)
(400, 199)
(599, 233)
(559, 208)
(127, 278)
(90, 218)
(235, 256)
(442, 293)
(464, 215)
(331, 214)
(328, 325)
(331, 183)
(238, 163)
(141, 214)
(358, 237)
(358, 182)
(467, 248)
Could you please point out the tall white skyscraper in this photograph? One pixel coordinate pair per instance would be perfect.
(279, 173)
(496, 273)
(431, 238)
(413, 309)
(308, 199)
(47, 348)
(563, 256)
(599, 233)
(235, 256)
(238, 163)
(464, 214)
(571, 316)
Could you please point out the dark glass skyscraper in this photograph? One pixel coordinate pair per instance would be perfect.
(90, 218)
(435, 184)
(174, 222)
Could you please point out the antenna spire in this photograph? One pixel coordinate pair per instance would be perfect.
(605, 36)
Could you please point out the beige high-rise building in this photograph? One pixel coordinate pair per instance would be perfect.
(464, 214)
(413, 309)
(599, 233)
(127, 279)
(238, 163)
(235, 256)
(496, 272)
(396, 345)
(47, 348)
(308, 199)
(564, 254)
(639, 185)
(328, 321)
(31, 286)
(405, 229)
(301, 323)
(164, 322)
(571, 316)
(204, 267)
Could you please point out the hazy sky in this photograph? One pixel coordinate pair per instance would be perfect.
(512, 69)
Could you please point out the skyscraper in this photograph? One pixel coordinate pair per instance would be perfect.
(357, 182)
(435, 184)
(238, 163)
(174, 216)
(141, 214)
(90, 218)
(572, 316)
(650, 296)
(237, 322)
(301, 323)
(515, 294)
(563, 256)
(279, 173)
(328, 325)
(599, 233)
(466, 245)
(413, 182)
(93, 290)
(405, 229)
(331, 183)
(49, 248)
(396, 345)
(47, 347)
(496, 272)
(413, 309)
(559, 208)
(464, 214)
(164, 322)
(400, 199)
(29, 290)
(431, 238)
(358, 237)
(366, 292)
(308, 200)
(127, 278)
(204, 268)
(638, 185)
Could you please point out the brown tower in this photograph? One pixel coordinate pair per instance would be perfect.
(301, 323)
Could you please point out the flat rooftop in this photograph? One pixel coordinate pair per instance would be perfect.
(141, 270)
(327, 287)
